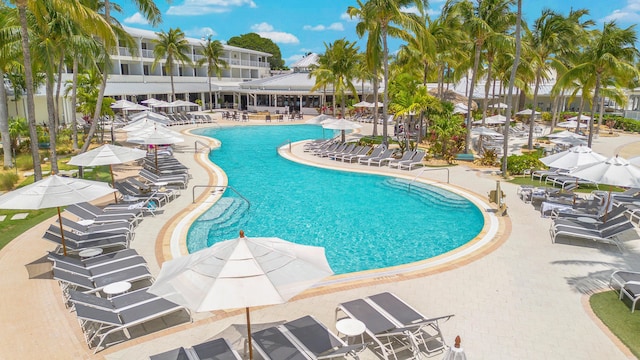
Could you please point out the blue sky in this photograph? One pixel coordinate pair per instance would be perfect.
(303, 26)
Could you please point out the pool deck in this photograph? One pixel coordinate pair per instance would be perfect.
(520, 297)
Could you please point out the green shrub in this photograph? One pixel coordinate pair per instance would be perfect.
(8, 180)
(489, 158)
(517, 164)
(546, 116)
(627, 124)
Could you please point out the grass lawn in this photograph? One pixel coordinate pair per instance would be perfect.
(617, 316)
(583, 188)
(10, 229)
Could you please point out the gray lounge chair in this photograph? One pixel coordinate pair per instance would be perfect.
(98, 324)
(606, 236)
(426, 330)
(374, 154)
(113, 228)
(318, 341)
(407, 156)
(218, 349)
(389, 338)
(101, 218)
(414, 162)
(175, 354)
(70, 281)
(632, 291)
(118, 303)
(74, 245)
(620, 278)
(610, 223)
(100, 260)
(101, 270)
(272, 344)
(385, 156)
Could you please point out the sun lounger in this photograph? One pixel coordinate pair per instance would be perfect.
(97, 261)
(407, 156)
(114, 227)
(218, 349)
(71, 281)
(82, 213)
(98, 324)
(620, 278)
(426, 330)
(389, 337)
(171, 193)
(170, 179)
(175, 354)
(595, 225)
(117, 209)
(632, 291)
(374, 154)
(606, 236)
(129, 191)
(72, 244)
(414, 162)
(272, 344)
(117, 303)
(359, 151)
(117, 237)
(101, 270)
(318, 342)
(379, 159)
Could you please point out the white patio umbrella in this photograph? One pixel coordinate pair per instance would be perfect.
(54, 191)
(614, 171)
(493, 120)
(499, 106)
(157, 135)
(635, 161)
(485, 131)
(142, 124)
(376, 105)
(107, 155)
(363, 104)
(317, 120)
(527, 112)
(460, 108)
(122, 104)
(583, 117)
(241, 273)
(340, 124)
(566, 134)
(148, 115)
(575, 157)
(570, 125)
(572, 141)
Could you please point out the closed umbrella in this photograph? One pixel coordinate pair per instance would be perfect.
(241, 273)
(54, 191)
(107, 155)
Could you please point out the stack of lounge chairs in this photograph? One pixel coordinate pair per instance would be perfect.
(365, 155)
(105, 319)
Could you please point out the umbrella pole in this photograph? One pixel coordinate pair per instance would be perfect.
(64, 247)
(249, 333)
(113, 183)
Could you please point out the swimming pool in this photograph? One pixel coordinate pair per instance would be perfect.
(363, 221)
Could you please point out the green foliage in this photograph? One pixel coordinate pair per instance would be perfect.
(546, 116)
(8, 180)
(517, 164)
(489, 158)
(254, 41)
(627, 124)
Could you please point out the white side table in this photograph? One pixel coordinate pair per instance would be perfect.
(116, 288)
(85, 222)
(351, 328)
(90, 252)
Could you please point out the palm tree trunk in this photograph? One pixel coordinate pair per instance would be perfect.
(210, 96)
(52, 124)
(476, 61)
(376, 81)
(74, 102)
(28, 75)
(580, 113)
(533, 111)
(596, 93)
(173, 89)
(385, 97)
(554, 111)
(487, 86)
(58, 89)
(512, 81)
(4, 124)
(600, 116)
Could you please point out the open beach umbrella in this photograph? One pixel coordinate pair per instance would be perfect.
(107, 155)
(571, 124)
(363, 104)
(340, 124)
(485, 131)
(575, 157)
(571, 141)
(317, 120)
(122, 104)
(141, 124)
(53, 192)
(583, 117)
(148, 115)
(527, 112)
(566, 134)
(614, 171)
(493, 120)
(375, 105)
(158, 135)
(241, 273)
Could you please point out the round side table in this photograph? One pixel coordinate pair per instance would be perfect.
(351, 328)
(116, 288)
(90, 252)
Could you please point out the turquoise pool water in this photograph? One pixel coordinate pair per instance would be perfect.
(363, 221)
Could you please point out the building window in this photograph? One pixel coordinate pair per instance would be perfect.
(164, 71)
(144, 46)
(180, 71)
(145, 69)
(124, 69)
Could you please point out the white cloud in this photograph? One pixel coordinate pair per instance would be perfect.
(266, 30)
(630, 13)
(200, 32)
(335, 26)
(346, 17)
(411, 9)
(136, 18)
(293, 58)
(203, 7)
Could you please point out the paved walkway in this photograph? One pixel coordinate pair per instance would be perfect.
(523, 299)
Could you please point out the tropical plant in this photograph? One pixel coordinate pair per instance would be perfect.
(212, 50)
(446, 129)
(171, 47)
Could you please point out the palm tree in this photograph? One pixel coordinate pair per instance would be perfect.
(9, 59)
(342, 56)
(384, 18)
(171, 46)
(151, 13)
(512, 81)
(323, 77)
(212, 50)
(479, 22)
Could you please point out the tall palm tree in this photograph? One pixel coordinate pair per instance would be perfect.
(324, 77)
(152, 14)
(384, 18)
(512, 81)
(343, 63)
(172, 47)
(479, 22)
(212, 50)
(9, 58)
